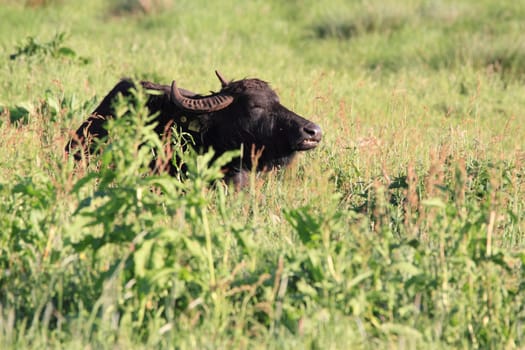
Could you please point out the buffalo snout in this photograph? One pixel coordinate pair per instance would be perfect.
(311, 135)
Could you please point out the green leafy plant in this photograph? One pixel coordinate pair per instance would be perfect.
(130, 205)
(54, 48)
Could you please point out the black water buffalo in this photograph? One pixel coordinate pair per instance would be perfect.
(244, 114)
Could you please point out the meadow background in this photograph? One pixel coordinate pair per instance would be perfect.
(404, 229)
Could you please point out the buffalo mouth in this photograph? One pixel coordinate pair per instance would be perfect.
(307, 144)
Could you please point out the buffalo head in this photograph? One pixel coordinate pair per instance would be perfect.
(247, 113)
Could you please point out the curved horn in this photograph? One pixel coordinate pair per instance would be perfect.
(223, 80)
(204, 104)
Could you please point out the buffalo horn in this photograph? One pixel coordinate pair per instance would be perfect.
(204, 104)
(223, 80)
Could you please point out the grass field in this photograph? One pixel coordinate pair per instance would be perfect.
(405, 229)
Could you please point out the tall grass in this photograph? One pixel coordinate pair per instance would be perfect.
(404, 229)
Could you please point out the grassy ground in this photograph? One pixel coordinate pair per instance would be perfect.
(404, 229)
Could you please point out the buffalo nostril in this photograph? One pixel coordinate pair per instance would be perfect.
(313, 130)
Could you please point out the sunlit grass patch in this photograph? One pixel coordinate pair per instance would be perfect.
(362, 20)
(130, 7)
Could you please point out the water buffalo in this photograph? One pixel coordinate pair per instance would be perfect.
(244, 114)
